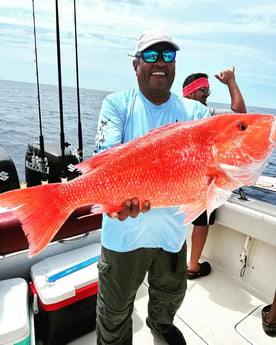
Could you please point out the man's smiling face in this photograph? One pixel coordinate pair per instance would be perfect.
(155, 76)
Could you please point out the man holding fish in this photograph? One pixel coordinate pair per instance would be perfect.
(166, 152)
(135, 244)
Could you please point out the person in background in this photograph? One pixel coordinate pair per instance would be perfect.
(135, 243)
(269, 318)
(196, 86)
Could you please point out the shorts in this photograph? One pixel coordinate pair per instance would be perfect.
(202, 219)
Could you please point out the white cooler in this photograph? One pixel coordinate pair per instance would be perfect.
(66, 287)
(14, 312)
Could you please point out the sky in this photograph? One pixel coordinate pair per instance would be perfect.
(213, 35)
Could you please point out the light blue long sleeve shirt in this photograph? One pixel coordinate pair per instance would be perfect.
(127, 115)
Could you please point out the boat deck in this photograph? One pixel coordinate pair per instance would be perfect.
(216, 310)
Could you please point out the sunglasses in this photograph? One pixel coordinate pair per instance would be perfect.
(205, 90)
(168, 55)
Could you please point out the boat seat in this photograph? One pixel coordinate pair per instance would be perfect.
(12, 238)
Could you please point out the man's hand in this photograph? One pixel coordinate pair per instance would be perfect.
(131, 208)
(227, 76)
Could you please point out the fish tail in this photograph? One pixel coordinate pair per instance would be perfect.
(40, 211)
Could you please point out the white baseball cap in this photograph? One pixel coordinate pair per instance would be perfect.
(152, 36)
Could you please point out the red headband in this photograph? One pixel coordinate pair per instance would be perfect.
(195, 85)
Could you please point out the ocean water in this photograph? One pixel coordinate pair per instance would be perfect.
(19, 123)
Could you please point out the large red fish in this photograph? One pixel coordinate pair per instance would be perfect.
(194, 165)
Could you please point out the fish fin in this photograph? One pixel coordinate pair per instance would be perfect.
(89, 164)
(247, 175)
(97, 160)
(40, 212)
(192, 210)
(105, 155)
(6, 209)
(216, 197)
(100, 208)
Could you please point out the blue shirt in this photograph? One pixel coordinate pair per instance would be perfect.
(127, 115)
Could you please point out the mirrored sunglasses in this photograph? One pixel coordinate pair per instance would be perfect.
(168, 55)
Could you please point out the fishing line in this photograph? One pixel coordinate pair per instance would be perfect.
(62, 135)
(41, 138)
(80, 148)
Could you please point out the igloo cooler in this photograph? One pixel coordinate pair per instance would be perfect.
(65, 289)
(15, 322)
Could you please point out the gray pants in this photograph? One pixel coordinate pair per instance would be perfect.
(121, 274)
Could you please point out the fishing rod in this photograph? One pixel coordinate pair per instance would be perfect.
(62, 135)
(41, 138)
(80, 148)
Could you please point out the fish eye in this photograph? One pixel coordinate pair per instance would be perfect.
(242, 126)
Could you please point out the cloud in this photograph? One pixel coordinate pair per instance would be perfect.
(265, 12)
(213, 34)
